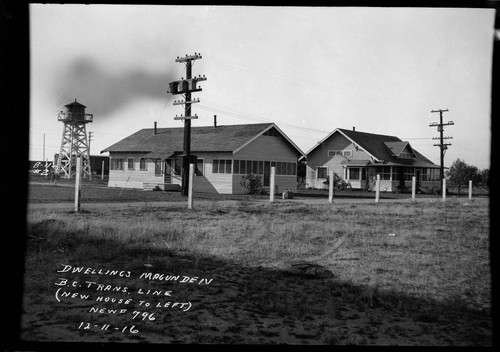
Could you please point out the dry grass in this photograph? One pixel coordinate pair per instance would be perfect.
(434, 273)
(439, 251)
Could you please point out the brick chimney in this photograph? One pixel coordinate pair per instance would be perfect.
(215, 121)
(155, 127)
(353, 128)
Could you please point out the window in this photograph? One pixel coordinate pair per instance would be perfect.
(409, 172)
(384, 172)
(425, 174)
(272, 132)
(249, 166)
(405, 155)
(354, 173)
(142, 164)
(321, 172)
(346, 153)
(243, 167)
(130, 163)
(157, 167)
(255, 167)
(223, 166)
(199, 170)
(435, 175)
(117, 164)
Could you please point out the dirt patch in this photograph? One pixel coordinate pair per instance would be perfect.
(244, 305)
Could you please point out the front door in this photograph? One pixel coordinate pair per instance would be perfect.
(267, 173)
(167, 175)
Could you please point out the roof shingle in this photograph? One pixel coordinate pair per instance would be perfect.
(378, 145)
(167, 141)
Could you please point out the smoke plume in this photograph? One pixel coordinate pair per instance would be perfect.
(104, 92)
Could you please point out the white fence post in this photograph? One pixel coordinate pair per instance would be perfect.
(190, 186)
(102, 171)
(78, 177)
(271, 184)
(470, 189)
(330, 188)
(444, 189)
(413, 187)
(377, 189)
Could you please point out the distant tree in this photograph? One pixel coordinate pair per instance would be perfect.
(460, 173)
(484, 178)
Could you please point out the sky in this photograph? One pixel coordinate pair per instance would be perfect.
(309, 70)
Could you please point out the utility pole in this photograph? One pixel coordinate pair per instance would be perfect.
(90, 139)
(186, 87)
(442, 146)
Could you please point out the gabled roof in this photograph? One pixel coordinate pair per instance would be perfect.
(168, 141)
(397, 147)
(382, 148)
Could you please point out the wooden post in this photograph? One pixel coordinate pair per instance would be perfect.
(78, 177)
(190, 187)
(470, 190)
(102, 171)
(413, 187)
(271, 184)
(377, 189)
(444, 189)
(330, 188)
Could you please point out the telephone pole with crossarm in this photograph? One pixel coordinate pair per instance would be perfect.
(186, 87)
(442, 146)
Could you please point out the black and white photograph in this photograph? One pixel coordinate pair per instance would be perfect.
(258, 175)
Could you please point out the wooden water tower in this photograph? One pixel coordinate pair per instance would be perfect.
(74, 141)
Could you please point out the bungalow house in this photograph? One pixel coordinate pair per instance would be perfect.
(357, 157)
(151, 157)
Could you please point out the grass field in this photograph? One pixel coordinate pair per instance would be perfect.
(390, 273)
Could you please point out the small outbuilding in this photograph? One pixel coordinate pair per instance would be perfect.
(151, 158)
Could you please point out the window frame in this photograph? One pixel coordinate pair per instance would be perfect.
(318, 172)
(129, 168)
(357, 172)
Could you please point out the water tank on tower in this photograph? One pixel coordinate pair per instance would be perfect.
(74, 141)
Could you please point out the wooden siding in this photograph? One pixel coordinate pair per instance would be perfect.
(268, 148)
(132, 178)
(319, 157)
(210, 182)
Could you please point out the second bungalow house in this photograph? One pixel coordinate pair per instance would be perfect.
(357, 157)
(151, 157)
